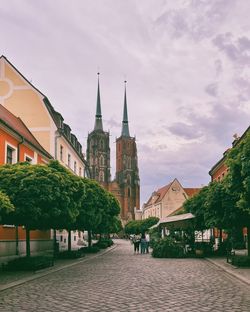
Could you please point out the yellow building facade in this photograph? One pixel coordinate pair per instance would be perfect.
(24, 100)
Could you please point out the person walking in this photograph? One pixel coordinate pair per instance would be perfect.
(143, 244)
(147, 242)
(136, 242)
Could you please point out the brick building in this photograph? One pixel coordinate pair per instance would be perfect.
(220, 170)
(126, 185)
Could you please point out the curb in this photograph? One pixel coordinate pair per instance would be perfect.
(47, 271)
(229, 271)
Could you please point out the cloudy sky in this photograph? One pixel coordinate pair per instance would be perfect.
(186, 63)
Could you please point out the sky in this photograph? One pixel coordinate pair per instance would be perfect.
(186, 63)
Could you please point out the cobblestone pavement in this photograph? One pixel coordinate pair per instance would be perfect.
(121, 281)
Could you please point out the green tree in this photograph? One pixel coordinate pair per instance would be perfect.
(110, 212)
(91, 208)
(197, 206)
(238, 180)
(43, 197)
(5, 206)
(140, 226)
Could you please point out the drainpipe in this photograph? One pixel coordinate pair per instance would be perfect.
(54, 231)
(16, 227)
(56, 137)
(18, 149)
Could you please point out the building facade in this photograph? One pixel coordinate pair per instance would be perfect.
(220, 170)
(167, 200)
(17, 144)
(47, 125)
(126, 185)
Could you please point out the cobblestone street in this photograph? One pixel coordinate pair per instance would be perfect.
(122, 281)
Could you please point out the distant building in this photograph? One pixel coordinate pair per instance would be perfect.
(17, 144)
(126, 185)
(167, 200)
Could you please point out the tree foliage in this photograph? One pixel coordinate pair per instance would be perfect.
(44, 196)
(140, 226)
(5, 206)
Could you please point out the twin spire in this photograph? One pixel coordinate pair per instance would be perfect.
(98, 115)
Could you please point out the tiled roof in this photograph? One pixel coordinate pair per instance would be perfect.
(159, 194)
(162, 191)
(16, 124)
(191, 191)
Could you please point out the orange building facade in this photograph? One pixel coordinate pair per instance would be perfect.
(17, 144)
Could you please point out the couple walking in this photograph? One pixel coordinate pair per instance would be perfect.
(141, 243)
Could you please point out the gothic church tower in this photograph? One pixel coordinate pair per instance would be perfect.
(127, 173)
(98, 150)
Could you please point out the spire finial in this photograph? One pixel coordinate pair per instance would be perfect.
(125, 128)
(98, 115)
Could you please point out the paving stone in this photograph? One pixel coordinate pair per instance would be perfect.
(121, 281)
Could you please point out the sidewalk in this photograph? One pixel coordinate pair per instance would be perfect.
(242, 274)
(12, 279)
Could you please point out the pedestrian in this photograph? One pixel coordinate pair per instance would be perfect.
(147, 242)
(136, 242)
(143, 244)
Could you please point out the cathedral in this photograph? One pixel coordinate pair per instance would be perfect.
(126, 184)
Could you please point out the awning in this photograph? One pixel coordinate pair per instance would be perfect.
(182, 221)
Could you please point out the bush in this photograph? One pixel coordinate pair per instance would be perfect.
(92, 249)
(73, 254)
(29, 263)
(167, 248)
(241, 261)
(239, 245)
(206, 247)
(104, 243)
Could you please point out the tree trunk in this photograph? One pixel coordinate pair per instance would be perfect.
(220, 237)
(17, 241)
(54, 242)
(69, 240)
(89, 239)
(248, 241)
(27, 242)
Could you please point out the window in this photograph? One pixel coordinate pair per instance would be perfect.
(75, 166)
(69, 160)
(101, 160)
(101, 177)
(74, 238)
(101, 145)
(80, 171)
(129, 192)
(9, 155)
(61, 152)
(28, 159)
(61, 238)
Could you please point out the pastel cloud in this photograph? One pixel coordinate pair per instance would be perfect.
(186, 62)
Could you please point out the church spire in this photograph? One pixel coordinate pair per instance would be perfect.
(125, 128)
(98, 115)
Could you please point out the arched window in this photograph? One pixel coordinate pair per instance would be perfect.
(101, 160)
(128, 179)
(129, 162)
(101, 176)
(101, 144)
